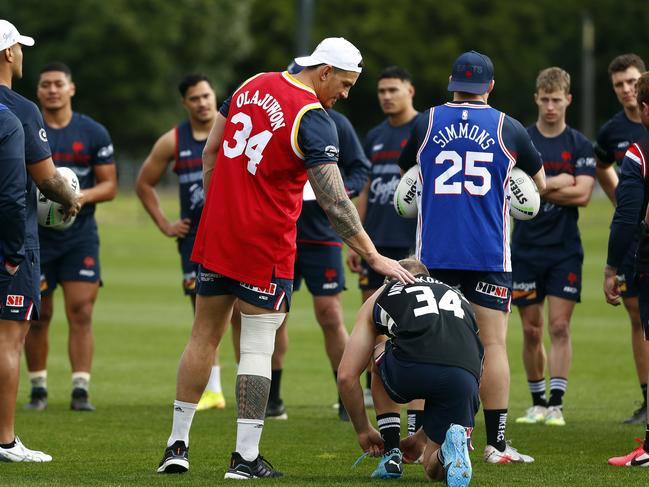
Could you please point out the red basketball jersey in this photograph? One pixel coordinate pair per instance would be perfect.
(247, 230)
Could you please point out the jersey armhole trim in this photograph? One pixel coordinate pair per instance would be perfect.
(296, 127)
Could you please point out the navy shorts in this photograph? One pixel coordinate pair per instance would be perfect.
(451, 393)
(78, 262)
(369, 279)
(22, 300)
(626, 275)
(546, 272)
(321, 266)
(190, 269)
(488, 289)
(212, 284)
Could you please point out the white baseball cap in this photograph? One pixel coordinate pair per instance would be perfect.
(336, 51)
(9, 36)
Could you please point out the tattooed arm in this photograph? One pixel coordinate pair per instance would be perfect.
(53, 186)
(330, 193)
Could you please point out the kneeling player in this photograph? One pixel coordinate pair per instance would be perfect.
(433, 353)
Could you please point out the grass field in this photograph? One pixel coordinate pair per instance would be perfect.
(141, 325)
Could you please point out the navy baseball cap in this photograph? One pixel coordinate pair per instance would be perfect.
(472, 73)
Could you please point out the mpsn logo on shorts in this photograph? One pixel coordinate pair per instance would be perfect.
(270, 291)
(492, 290)
(15, 300)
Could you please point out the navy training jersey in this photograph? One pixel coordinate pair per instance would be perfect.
(313, 226)
(466, 152)
(189, 168)
(383, 146)
(631, 194)
(13, 179)
(36, 149)
(615, 137)
(572, 153)
(81, 145)
(429, 322)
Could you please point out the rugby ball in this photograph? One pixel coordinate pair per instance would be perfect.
(50, 213)
(407, 192)
(524, 198)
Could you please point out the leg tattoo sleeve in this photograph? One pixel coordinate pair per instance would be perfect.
(252, 396)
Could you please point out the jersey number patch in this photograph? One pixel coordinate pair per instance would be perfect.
(450, 301)
(442, 186)
(253, 147)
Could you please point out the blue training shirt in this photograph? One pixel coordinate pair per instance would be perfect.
(36, 150)
(615, 137)
(189, 168)
(466, 152)
(383, 146)
(81, 145)
(13, 179)
(313, 226)
(572, 153)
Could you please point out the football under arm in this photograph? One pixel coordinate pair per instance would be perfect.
(53, 185)
(211, 149)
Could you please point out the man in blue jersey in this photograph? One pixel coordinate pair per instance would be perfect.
(613, 139)
(183, 146)
(630, 219)
(393, 235)
(22, 300)
(70, 257)
(547, 255)
(466, 150)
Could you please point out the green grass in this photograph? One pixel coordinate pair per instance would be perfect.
(141, 325)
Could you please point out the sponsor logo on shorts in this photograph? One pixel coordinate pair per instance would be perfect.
(524, 290)
(330, 273)
(87, 273)
(270, 290)
(492, 290)
(621, 280)
(89, 261)
(15, 300)
(209, 276)
(189, 281)
(330, 285)
(43, 286)
(570, 289)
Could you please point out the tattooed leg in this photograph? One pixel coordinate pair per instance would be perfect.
(252, 396)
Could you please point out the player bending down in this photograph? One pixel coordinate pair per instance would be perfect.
(433, 353)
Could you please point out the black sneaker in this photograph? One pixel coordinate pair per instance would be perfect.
(37, 399)
(241, 469)
(80, 400)
(175, 459)
(276, 410)
(639, 416)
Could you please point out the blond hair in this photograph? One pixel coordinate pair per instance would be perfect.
(553, 79)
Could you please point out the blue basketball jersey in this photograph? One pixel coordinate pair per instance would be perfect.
(463, 220)
(189, 168)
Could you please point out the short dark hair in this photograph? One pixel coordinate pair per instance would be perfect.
(642, 88)
(395, 72)
(190, 80)
(624, 62)
(57, 66)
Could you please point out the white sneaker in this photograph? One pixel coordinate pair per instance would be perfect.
(20, 453)
(533, 415)
(510, 455)
(554, 417)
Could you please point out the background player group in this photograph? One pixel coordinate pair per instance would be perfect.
(264, 289)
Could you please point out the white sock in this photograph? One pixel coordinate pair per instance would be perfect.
(182, 422)
(38, 378)
(248, 437)
(214, 384)
(80, 380)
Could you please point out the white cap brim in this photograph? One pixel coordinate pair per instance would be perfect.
(25, 40)
(306, 61)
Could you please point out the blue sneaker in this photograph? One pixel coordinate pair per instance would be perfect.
(390, 466)
(456, 457)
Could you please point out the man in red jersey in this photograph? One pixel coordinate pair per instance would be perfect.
(268, 139)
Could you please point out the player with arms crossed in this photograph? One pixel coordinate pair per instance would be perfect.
(466, 150)
(433, 353)
(22, 297)
(547, 255)
(613, 139)
(268, 139)
(183, 145)
(71, 256)
(630, 214)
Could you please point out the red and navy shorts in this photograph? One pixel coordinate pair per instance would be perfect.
(278, 292)
(78, 262)
(22, 300)
(491, 290)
